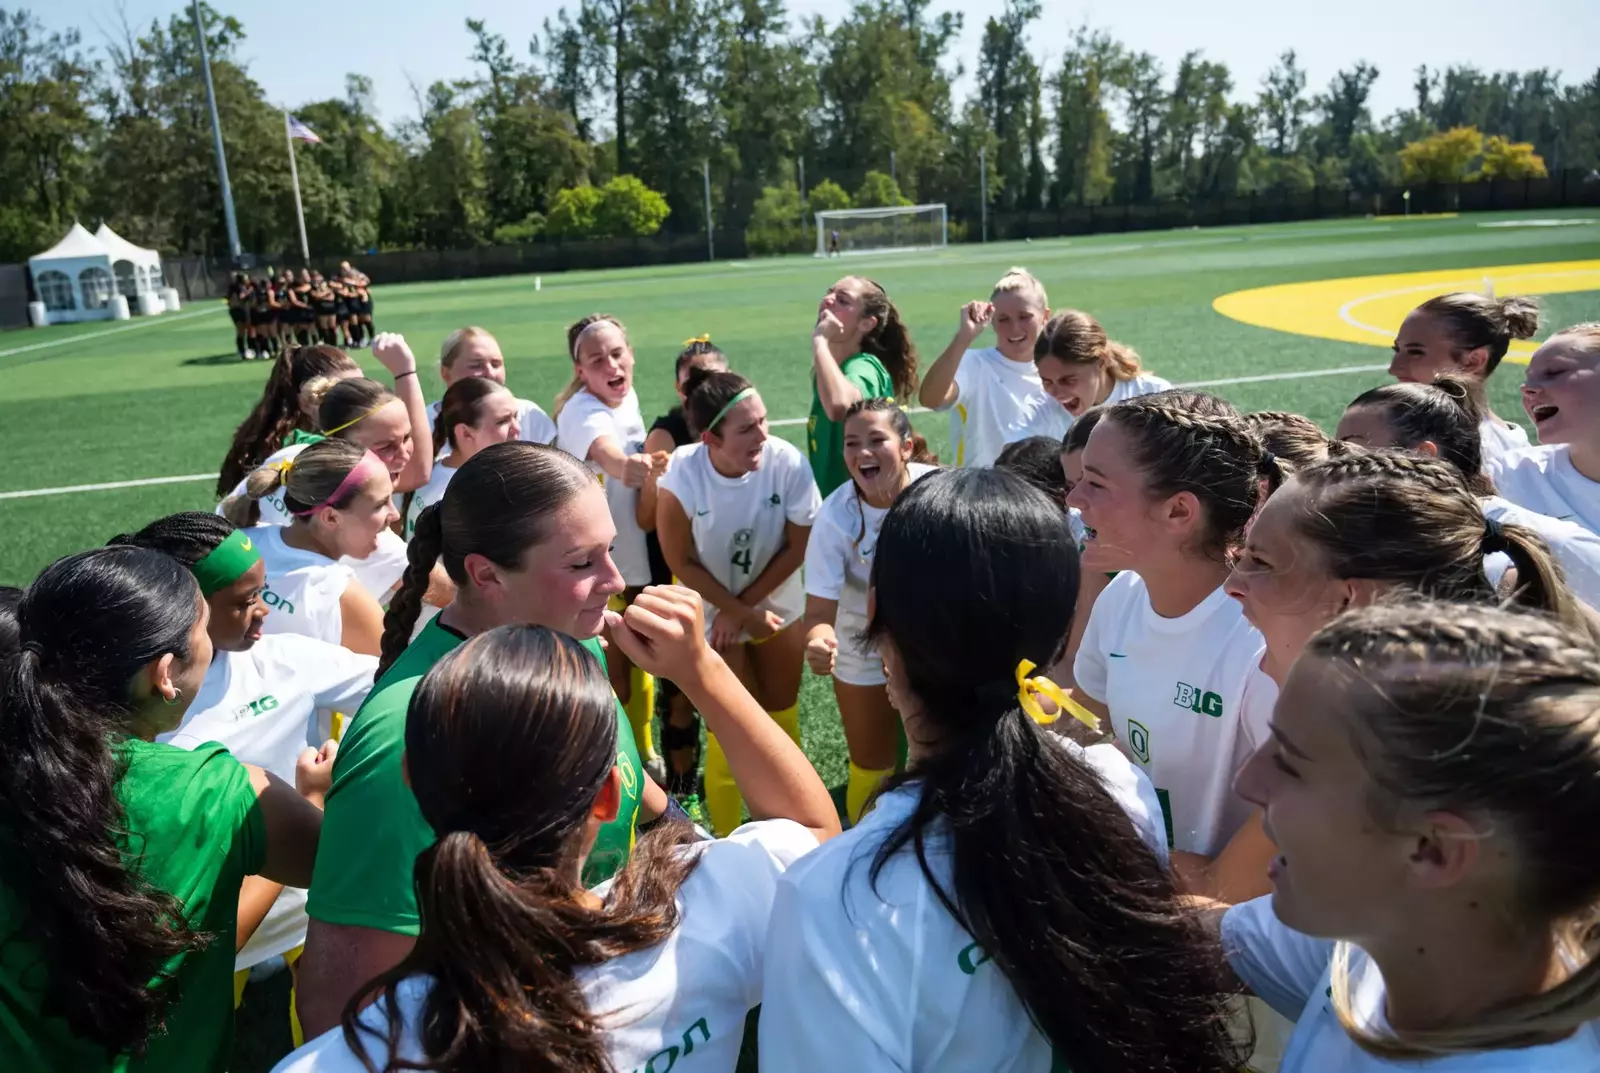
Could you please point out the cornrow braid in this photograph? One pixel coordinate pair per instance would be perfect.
(187, 536)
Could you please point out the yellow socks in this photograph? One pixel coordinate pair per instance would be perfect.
(863, 783)
(641, 708)
(723, 803)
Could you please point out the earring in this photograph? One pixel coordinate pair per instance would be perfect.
(172, 701)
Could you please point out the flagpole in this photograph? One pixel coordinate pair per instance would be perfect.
(294, 177)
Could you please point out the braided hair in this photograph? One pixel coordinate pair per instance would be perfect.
(187, 536)
(1412, 520)
(1490, 713)
(1197, 443)
(278, 412)
(1445, 413)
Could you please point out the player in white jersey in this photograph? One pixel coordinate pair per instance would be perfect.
(921, 938)
(1441, 419)
(884, 455)
(598, 422)
(1169, 483)
(258, 698)
(511, 752)
(733, 513)
(1467, 335)
(1429, 909)
(475, 413)
(1080, 368)
(367, 414)
(1562, 396)
(286, 413)
(472, 352)
(995, 391)
(339, 497)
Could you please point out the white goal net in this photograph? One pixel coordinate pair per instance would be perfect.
(865, 230)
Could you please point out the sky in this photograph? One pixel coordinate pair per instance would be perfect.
(395, 42)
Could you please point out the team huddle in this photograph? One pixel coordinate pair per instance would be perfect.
(275, 312)
(1180, 738)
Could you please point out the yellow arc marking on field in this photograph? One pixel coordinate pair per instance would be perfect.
(1369, 309)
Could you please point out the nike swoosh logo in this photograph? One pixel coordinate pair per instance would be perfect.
(701, 513)
(1117, 655)
(246, 544)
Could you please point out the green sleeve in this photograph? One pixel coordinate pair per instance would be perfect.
(372, 829)
(614, 843)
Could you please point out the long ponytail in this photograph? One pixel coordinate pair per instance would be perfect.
(511, 737)
(422, 552)
(889, 340)
(278, 411)
(1036, 860)
(88, 624)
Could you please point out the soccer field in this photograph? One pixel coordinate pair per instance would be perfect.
(102, 405)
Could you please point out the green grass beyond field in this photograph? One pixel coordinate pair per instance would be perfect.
(161, 399)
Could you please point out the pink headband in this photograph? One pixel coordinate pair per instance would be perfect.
(358, 473)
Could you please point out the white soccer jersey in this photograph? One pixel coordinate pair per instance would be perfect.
(680, 1004)
(533, 425)
(303, 588)
(1054, 421)
(997, 402)
(1544, 480)
(428, 494)
(738, 522)
(262, 705)
(844, 538)
(1499, 439)
(378, 573)
(876, 976)
(1290, 971)
(1575, 548)
(585, 419)
(1188, 702)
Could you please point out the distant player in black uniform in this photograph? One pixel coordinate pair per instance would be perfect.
(238, 298)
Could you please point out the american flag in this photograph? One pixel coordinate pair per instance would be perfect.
(299, 130)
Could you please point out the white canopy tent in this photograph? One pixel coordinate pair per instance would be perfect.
(98, 276)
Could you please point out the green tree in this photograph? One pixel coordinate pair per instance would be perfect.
(1505, 159)
(879, 190)
(828, 196)
(1445, 157)
(574, 212)
(670, 112)
(775, 221)
(1283, 105)
(1091, 68)
(1007, 78)
(628, 207)
(47, 133)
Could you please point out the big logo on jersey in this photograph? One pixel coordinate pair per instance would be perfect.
(1199, 701)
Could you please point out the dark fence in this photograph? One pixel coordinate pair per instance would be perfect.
(201, 278)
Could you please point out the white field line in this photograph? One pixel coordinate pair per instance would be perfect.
(783, 422)
(162, 318)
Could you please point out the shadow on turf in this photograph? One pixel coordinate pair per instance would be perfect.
(230, 358)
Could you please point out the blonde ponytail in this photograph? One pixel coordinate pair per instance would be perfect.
(245, 510)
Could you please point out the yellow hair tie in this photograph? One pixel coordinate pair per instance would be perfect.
(1029, 690)
(284, 467)
(356, 421)
(706, 338)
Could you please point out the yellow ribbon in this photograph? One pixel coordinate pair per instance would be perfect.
(1029, 690)
(284, 467)
(706, 338)
(356, 421)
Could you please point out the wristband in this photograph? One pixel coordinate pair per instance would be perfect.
(400, 376)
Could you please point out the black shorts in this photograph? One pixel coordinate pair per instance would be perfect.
(263, 318)
(342, 308)
(239, 314)
(325, 309)
(364, 308)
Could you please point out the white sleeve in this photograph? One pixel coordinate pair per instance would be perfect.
(344, 678)
(965, 375)
(381, 571)
(828, 1003)
(676, 481)
(825, 553)
(1089, 668)
(581, 423)
(1131, 788)
(800, 491)
(744, 870)
(1282, 966)
(535, 426)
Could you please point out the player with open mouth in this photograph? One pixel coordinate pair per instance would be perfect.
(1080, 367)
(1560, 477)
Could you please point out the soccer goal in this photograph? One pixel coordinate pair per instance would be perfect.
(865, 230)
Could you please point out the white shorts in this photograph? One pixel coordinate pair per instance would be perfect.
(855, 664)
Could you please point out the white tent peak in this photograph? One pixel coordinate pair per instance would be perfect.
(120, 248)
(77, 242)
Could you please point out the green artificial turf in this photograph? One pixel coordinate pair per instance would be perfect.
(162, 398)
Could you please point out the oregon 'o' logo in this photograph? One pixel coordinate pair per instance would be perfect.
(743, 537)
(1139, 740)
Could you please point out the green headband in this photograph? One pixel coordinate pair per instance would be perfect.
(226, 563)
(736, 400)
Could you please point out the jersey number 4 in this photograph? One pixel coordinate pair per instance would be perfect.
(742, 559)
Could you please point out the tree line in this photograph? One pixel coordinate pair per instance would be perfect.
(603, 123)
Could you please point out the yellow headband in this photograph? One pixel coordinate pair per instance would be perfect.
(363, 417)
(706, 338)
(1029, 690)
